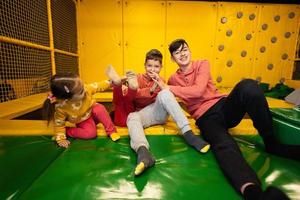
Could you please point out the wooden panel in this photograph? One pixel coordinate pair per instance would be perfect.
(21, 106)
(196, 23)
(144, 29)
(100, 38)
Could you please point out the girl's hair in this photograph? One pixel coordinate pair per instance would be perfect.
(62, 86)
(176, 44)
(154, 54)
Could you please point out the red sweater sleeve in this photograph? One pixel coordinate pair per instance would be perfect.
(143, 96)
(201, 76)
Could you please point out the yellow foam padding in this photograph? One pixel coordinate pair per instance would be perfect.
(18, 107)
(293, 83)
(123, 131)
(277, 103)
(273, 103)
(25, 127)
(39, 127)
(224, 90)
(103, 96)
(171, 127)
(21, 106)
(244, 128)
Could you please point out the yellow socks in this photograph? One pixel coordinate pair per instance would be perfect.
(114, 136)
(205, 148)
(196, 142)
(139, 169)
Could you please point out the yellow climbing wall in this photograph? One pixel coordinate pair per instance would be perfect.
(277, 31)
(241, 40)
(235, 42)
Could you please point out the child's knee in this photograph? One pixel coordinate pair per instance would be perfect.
(165, 95)
(133, 117)
(250, 88)
(248, 84)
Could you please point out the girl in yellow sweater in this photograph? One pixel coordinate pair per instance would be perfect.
(71, 101)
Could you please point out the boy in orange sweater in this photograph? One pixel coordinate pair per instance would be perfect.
(215, 113)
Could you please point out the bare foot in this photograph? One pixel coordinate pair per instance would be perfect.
(112, 75)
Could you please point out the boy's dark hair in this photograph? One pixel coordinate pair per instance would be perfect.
(176, 44)
(154, 54)
(62, 87)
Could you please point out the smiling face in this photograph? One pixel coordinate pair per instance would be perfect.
(152, 66)
(182, 56)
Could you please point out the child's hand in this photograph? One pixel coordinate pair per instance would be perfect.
(161, 84)
(153, 75)
(63, 143)
(114, 136)
(123, 79)
(153, 88)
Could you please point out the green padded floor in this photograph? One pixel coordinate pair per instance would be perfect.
(286, 125)
(290, 115)
(34, 168)
(22, 160)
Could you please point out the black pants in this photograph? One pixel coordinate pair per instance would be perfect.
(227, 113)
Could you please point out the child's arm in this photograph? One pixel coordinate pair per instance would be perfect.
(59, 129)
(98, 87)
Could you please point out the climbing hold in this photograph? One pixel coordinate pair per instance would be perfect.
(287, 34)
(239, 15)
(264, 27)
(277, 18)
(252, 16)
(243, 53)
(229, 63)
(262, 49)
(273, 39)
(270, 66)
(221, 47)
(284, 56)
(248, 36)
(223, 20)
(291, 15)
(229, 33)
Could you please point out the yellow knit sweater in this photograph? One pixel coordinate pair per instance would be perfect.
(68, 111)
